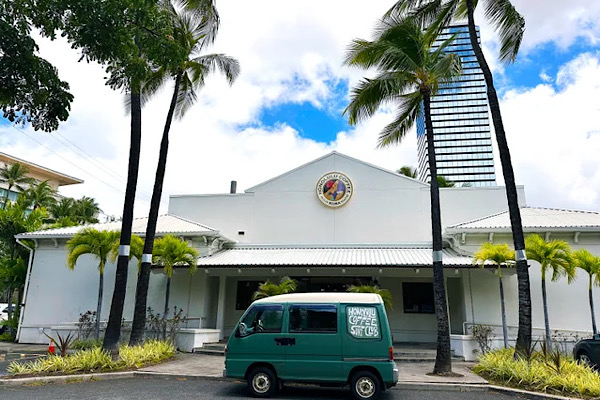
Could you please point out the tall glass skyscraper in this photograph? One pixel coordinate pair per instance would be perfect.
(461, 127)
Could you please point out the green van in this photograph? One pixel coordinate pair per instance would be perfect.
(322, 338)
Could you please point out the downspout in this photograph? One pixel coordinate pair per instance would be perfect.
(26, 289)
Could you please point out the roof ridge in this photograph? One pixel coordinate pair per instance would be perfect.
(479, 219)
(565, 209)
(189, 221)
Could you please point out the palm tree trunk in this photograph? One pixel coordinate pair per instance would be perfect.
(141, 293)
(113, 329)
(546, 320)
(524, 332)
(443, 363)
(99, 306)
(594, 330)
(168, 293)
(503, 309)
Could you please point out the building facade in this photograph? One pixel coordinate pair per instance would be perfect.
(461, 129)
(331, 223)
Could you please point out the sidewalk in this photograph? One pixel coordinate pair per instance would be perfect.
(198, 365)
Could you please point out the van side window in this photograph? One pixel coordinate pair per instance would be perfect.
(262, 319)
(313, 318)
(363, 322)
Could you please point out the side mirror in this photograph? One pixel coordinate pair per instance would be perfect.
(597, 336)
(242, 329)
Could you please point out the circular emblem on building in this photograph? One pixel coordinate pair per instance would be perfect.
(334, 189)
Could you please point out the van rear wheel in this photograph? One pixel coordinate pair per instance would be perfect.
(365, 385)
(262, 382)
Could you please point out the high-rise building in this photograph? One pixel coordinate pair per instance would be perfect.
(461, 127)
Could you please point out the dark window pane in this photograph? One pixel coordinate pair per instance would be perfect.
(313, 318)
(245, 290)
(263, 319)
(418, 297)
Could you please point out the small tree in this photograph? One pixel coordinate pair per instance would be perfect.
(98, 244)
(385, 294)
(268, 289)
(41, 195)
(170, 252)
(501, 256)
(408, 171)
(591, 264)
(15, 175)
(554, 255)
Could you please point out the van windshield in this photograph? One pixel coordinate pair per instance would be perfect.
(263, 318)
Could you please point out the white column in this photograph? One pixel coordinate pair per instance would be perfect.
(221, 306)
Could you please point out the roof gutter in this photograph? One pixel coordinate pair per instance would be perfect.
(26, 289)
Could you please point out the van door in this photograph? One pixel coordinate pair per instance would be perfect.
(258, 339)
(314, 350)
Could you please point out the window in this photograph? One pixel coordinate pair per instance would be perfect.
(313, 318)
(262, 319)
(363, 322)
(245, 290)
(418, 298)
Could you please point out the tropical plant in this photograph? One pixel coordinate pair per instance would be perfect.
(267, 289)
(499, 255)
(86, 210)
(171, 252)
(385, 294)
(136, 250)
(510, 25)
(41, 195)
(409, 72)
(408, 171)
(194, 30)
(555, 257)
(590, 263)
(98, 244)
(444, 183)
(15, 175)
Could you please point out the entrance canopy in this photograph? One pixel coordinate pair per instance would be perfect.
(335, 255)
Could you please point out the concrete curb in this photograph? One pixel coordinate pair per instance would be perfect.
(435, 386)
(179, 376)
(66, 378)
(530, 395)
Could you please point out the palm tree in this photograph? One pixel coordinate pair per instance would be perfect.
(444, 183)
(41, 195)
(98, 244)
(64, 208)
(15, 175)
(194, 31)
(268, 288)
(501, 256)
(385, 294)
(591, 264)
(409, 73)
(170, 252)
(136, 250)
(86, 210)
(554, 255)
(510, 26)
(408, 171)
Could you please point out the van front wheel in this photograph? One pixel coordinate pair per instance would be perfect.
(262, 382)
(365, 386)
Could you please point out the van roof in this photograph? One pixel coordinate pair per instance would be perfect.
(324, 297)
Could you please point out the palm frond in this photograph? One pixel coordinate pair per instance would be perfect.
(554, 255)
(509, 24)
(369, 94)
(408, 110)
(385, 294)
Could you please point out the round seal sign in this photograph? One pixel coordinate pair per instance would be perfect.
(334, 189)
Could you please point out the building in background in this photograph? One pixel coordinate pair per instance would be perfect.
(461, 128)
(55, 179)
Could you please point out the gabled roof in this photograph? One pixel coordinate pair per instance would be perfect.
(534, 219)
(334, 255)
(166, 224)
(335, 153)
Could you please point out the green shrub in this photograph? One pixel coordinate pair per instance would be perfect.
(97, 360)
(542, 373)
(86, 344)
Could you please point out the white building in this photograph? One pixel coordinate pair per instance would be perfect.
(377, 228)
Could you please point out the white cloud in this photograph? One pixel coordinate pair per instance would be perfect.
(554, 137)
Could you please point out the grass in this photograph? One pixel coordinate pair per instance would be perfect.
(96, 360)
(542, 373)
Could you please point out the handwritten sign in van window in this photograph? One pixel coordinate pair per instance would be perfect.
(363, 322)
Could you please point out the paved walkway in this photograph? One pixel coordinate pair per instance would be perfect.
(212, 366)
